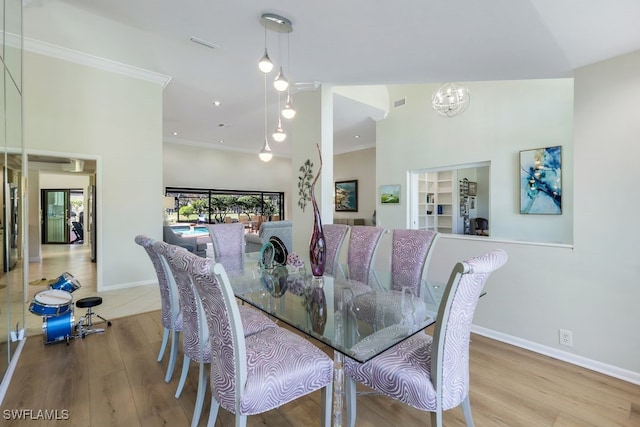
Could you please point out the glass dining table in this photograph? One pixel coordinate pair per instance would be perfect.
(356, 320)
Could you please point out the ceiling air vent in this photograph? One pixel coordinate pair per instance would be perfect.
(399, 102)
(75, 165)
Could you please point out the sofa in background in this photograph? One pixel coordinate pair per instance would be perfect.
(281, 229)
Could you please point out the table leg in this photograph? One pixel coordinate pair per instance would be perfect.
(338, 388)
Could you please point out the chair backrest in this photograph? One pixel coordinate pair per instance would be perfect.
(410, 253)
(334, 235)
(281, 229)
(228, 245)
(450, 348)
(168, 289)
(363, 243)
(223, 319)
(195, 331)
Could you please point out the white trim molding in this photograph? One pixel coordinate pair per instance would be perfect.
(603, 368)
(54, 51)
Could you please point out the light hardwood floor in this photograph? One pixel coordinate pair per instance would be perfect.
(114, 380)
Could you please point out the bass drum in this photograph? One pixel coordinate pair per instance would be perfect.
(58, 328)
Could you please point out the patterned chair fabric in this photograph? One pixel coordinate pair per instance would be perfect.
(410, 253)
(228, 245)
(409, 256)
(171, 315)
(254, 374)
(363, 243)
(334, 235)
(431, 374)
(195, 334)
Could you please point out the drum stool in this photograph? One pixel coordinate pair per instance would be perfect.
(85, 324)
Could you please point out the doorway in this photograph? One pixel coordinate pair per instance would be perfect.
(63, 219)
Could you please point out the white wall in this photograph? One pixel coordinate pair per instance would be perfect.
(590, 288)
(358, 165)
(117, 120)
(198, 167)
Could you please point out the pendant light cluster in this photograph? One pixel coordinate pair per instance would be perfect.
(279, 25)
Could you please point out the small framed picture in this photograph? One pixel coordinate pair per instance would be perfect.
(390, 194)
(473, 188)
(346, 196)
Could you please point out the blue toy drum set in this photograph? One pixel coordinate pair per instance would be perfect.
(55, 305)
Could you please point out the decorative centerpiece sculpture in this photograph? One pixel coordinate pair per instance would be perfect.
(317, 247)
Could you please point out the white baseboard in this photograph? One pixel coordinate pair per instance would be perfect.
(603, 368)
(127, 285)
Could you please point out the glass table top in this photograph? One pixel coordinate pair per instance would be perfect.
(354, 319)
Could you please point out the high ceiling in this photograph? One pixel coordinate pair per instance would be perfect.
(356, 42)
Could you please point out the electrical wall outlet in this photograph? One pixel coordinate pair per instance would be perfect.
(566, 337)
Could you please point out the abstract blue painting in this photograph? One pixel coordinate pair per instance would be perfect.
(541, 181)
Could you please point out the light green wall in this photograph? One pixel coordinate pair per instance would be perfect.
(590, 287)
(74, 109)
(358, 165)
(502, 119)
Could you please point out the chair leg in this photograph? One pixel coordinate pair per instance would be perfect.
(173, 356)
(202, 385)
(466, 410)
(350, 394)
(213, 412)
(163, 346)
(327, 394)
(436, 419)
(185, 370)
(241, 420)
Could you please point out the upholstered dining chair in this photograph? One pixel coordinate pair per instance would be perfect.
(195, 339)
(363, 244)
(258, 373)
(170, 313)
(334, 235)
(410, 255)
(228, 244)
(431, 374)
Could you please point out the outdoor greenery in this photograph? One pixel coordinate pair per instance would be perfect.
(217, 207)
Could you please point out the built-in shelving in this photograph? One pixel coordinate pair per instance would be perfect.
(435, 205)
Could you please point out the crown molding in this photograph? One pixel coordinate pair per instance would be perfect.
(70, 55)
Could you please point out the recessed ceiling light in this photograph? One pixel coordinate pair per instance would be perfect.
(216, 103)
(175, 134)
(221, 141)
(357, 136)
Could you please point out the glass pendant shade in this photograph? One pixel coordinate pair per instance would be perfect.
(281, 83)
(265, 154)
(278, 134)
(288, 112)
(265, 63)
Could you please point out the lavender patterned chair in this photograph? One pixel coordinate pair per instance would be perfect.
(410, 255)
(334, 235)
(431, 374)
(171, 315)
(257, 373)
(195, 333)
(228, 245)
(363, 244)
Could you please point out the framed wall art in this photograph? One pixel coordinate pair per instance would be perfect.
(390, 194)
(541, 181)
(346, 196)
